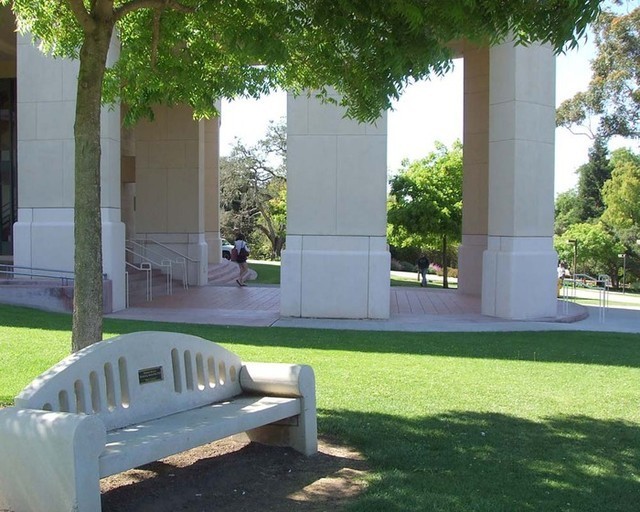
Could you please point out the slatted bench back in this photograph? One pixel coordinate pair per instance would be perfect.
(137, 377)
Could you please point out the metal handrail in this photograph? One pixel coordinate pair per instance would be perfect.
(166, 264)
(171, 249)
(66, 278)
(144, 267)
(180, 260)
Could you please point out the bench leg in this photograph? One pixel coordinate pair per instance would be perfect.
(49, 461)
(299, 432)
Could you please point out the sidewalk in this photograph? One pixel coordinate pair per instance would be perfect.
(412, 309)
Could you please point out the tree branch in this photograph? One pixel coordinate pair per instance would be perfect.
(589, 134)
(84, 18)
(155, 38)
(135, 5)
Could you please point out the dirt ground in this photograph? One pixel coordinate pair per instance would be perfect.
(235, 475)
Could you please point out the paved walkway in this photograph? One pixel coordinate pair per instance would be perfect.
(412, 309)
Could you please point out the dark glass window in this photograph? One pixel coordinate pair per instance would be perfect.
(8, 165)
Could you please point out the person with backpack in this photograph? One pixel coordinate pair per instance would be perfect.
(239, 254)
(423, 267)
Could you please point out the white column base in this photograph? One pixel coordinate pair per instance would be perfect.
(214, 244)
(198, 250)
(519, 278)
(192, 245)
(113, 239)
(335, 277)
(470, 254)
(44, 239)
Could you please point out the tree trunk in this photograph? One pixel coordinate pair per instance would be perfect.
(445, 268)
(87, 299)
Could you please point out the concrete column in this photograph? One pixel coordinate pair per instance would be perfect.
(476, 170)
(211, 159)
(170, 158)
(519, 277)
(46, 108)
(336, 262)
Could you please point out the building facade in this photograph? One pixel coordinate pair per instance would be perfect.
(160, 186)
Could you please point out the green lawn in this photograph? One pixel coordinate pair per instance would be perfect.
(447, 421)
(268, 271)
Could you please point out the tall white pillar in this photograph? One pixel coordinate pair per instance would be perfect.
(210, 149)
(170, 177)
(519, 276)
(336, 262)
(475, 179)
(43, 235)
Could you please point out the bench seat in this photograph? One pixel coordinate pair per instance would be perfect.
(139, 444)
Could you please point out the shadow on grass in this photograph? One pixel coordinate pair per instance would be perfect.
(612, 349)
(463, 461)
(402, 283)
(227, 476)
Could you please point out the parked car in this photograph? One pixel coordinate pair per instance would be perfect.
(226, 249)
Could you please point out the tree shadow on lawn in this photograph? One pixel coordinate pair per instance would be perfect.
(467, 461)
(233, 476)
(611, 349)
(453, 462)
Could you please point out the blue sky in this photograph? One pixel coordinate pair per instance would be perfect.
(430, 111)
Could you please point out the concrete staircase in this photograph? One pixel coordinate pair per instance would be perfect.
(226, 273)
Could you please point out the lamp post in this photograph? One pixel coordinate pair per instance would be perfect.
(624, 269)
(575, 260)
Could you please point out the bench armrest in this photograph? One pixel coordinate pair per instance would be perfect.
(287, 380)
(278, 379)
(55, 452)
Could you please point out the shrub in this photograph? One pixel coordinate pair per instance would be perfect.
(409, 267)
(396, 265)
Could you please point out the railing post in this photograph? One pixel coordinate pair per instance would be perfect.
(126, 288)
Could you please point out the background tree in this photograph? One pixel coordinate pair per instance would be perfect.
(195, 52)
(611, 104)
(567, 210)
(621, 196)
(425, 203)
(597, 250)
(591, 178)
(253, 188)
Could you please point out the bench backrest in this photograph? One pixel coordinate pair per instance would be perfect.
(137, 377)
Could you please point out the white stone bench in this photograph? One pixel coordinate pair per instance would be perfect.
(134, 399)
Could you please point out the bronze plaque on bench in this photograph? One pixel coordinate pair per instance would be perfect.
(147, 375)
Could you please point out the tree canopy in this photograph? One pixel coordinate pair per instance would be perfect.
(611, 104)
(621, 196)
(195, 52)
